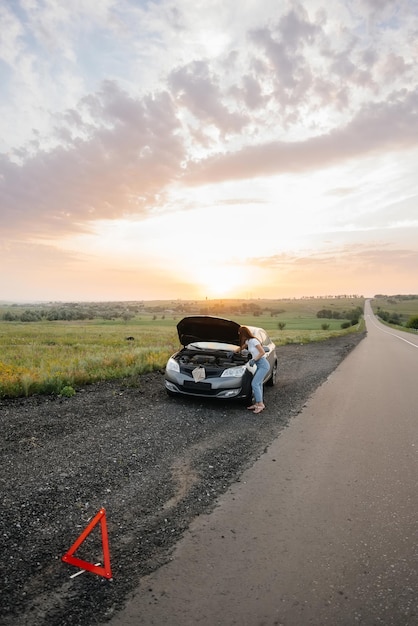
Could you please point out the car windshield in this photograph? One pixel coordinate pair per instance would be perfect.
(212, 345)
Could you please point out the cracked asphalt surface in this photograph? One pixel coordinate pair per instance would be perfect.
(152, 462)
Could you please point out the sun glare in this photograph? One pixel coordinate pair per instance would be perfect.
(223, 281)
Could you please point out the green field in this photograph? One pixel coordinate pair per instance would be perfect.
(58, 356)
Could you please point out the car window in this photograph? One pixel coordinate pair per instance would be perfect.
(265, 339)
(261, 336)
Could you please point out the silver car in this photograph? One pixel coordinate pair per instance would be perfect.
(210, 364)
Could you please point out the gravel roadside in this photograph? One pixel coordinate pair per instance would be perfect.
(152, 462)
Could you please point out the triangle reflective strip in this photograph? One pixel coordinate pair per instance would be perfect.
(68, 557)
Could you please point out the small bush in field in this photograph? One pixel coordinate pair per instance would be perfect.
(67, 391)
(324, 326)
(412, 323)
(346, 325)
(281, 325)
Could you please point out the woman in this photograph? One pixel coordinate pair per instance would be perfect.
(248, 341)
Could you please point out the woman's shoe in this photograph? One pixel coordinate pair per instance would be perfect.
(258, 409)
(251, 407)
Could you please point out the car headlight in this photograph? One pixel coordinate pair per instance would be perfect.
(237, 372)
(172, 365)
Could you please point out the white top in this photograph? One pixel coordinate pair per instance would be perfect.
(252, 347)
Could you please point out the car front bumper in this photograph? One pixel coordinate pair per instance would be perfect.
(222, 388)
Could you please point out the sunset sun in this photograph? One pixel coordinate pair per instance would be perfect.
(221, 281)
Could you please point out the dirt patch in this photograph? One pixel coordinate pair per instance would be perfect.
(152, 462)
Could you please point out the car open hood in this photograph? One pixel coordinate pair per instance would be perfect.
(207, 328)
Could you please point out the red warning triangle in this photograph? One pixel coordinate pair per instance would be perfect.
(95, 569)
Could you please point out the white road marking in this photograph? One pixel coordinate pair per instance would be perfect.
(388, 332)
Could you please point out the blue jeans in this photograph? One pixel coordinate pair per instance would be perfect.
(257, 381)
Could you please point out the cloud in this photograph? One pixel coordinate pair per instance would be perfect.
(263, 98)
(196, 90)
(250, 93)
(283, 47)
(45, 273)
(364, 269)
(367, 256)
(341, 191)
(388, 126)
(11, 33)
(132, 153)
(17, 256)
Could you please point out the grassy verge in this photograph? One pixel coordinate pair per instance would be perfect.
(48, 357)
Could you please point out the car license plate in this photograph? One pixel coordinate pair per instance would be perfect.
(198, 386)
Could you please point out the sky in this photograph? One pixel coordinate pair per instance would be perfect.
(196, 149)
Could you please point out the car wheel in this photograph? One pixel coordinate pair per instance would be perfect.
(273, 378)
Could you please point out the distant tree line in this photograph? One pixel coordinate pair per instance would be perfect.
(70, 312)
(343, 296)
(73, 311)
(353, 314)
(114, 310)
(396, 298)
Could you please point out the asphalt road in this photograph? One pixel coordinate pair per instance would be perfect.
(323, 528)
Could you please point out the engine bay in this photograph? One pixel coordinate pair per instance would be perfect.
(214, 359)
